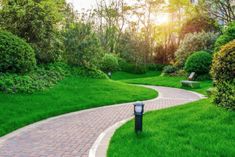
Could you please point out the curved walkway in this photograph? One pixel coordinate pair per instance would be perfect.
(73, 135)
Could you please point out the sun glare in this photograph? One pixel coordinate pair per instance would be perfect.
(162, 19)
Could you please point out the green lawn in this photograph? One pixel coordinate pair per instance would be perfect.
(198, 129)
(156, 79)
(72, 94)
(124, 75)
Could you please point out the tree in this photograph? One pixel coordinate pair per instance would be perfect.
(38, 22)
(220, 9)
(111, 21)
(82, 46)
(198, 24)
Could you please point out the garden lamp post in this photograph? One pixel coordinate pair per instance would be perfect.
(138, 111)
(110, 74)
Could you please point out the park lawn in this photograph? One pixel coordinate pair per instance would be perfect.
(120, 75)
(158, 80)
(197, 129)
(71, 94)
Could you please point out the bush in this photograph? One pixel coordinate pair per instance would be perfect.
(192, 43)
(227, 36)
(37, 22)
(82, 46)
(199, 62)
(109, 63)
(132, 68)
(169, 69)
(155, 67)
(223, 72)
(41, 78)
(89, 73)
(16, 55)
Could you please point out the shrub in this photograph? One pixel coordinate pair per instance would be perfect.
(192, 43)
(155, 67)
(37, 22)
(82, 46)
(169, 69)
(109, 63)
(16, 55)
(227, 36)
(223, 72)
(41, 78)
(199, 62)
(89, 73)
(132, 68)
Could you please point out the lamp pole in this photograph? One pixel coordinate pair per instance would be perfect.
(138, 111)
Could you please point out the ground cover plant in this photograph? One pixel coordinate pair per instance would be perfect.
(199, 128)
(72, 94)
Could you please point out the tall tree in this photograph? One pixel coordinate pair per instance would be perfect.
(224, 10)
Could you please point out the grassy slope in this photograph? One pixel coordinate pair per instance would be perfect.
(72, 94)
(158, 80)
(123, 75)
(200, 129)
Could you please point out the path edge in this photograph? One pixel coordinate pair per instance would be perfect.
(101, 145)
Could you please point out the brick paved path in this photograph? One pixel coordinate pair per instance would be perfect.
(72, 135)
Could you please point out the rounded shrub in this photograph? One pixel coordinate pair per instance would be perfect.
(223, 73)
(17, 56)
(199, 62)
(109, 63)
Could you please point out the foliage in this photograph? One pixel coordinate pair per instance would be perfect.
(109, 63)
(227, 36)
(155, 67)
(199, 62)
(223, 72)
(89, 73)
(132, 68)
(164, 53)
(223, 10)
(82, 46)
(133, 48)
(37, 22)
(198, 24)
(41, 78)
(17, 56)
(192, 43)
(169, 69)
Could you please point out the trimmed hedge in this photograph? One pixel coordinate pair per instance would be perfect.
(199, 62)
(223, 72)
(17, 56)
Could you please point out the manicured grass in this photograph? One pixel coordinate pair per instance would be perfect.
(168, 81)
(198, 129)
(123, 75)
(72, 94)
